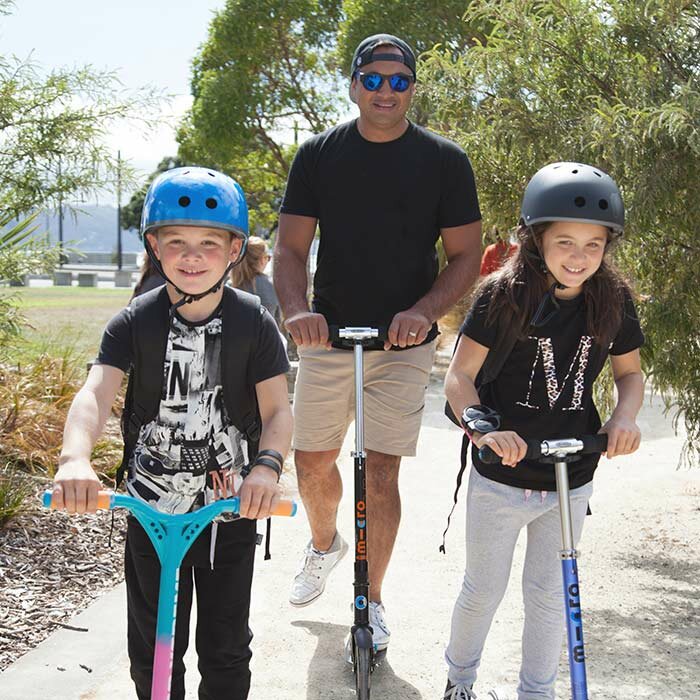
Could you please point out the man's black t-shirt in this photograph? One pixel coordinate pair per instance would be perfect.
(545, 388)
(380, 208)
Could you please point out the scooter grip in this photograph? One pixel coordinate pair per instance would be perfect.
(334, 334)
(285, 508)
(104, 499)
(594, 443)
(488, 456)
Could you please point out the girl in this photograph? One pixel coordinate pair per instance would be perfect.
(555, 312)
(250, 276)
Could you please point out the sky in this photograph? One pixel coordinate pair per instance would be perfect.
(150, 42)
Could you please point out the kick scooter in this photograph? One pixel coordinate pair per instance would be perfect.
(171, 536)
(364, 656)
(559, 453)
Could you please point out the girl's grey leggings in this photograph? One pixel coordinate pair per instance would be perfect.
(495, 515)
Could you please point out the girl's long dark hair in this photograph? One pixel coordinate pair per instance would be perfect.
(517, 289)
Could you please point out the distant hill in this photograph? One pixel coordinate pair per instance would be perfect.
(93, 228)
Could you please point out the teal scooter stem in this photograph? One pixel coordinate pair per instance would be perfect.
(171, 536)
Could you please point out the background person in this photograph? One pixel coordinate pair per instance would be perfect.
(250, 276)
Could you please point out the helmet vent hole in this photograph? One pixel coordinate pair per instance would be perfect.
(184, 201)
(603, 203)
(580, 201)
(211, 174)
(574, 172)
(595, 172)
(211, 203)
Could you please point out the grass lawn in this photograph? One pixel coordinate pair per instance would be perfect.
(74, 316)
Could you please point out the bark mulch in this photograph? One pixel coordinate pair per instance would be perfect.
(52, 566)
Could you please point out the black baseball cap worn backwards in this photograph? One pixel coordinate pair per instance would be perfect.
(364, 53)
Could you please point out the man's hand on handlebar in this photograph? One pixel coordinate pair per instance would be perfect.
(308, 329)
(407, 328)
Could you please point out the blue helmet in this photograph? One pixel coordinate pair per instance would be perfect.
(192, 196)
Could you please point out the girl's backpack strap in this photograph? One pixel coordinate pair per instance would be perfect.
(463, 466)
(493, 364)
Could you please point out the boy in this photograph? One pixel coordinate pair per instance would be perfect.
(194, 416)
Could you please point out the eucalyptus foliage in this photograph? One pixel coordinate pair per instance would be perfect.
(421, 23)
(264, 71)
(52, 126)
(615, 84)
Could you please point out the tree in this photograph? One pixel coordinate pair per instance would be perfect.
(615, 84)
(131, 213)
(52, 128)
(421, 23)
(264, 72)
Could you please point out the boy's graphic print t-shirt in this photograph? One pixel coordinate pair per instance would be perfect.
(190, 454)
(545, 389)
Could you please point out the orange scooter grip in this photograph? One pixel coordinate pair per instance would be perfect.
(285, 508)
(104, 499)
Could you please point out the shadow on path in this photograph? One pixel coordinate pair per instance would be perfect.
(330, 677)
(657, 642)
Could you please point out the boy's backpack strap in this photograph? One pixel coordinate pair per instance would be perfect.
(242, 321)
(150, 324)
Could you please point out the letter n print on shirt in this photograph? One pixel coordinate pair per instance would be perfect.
(178, 377)
(577, 368)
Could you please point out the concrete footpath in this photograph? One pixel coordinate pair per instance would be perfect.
(639, 564)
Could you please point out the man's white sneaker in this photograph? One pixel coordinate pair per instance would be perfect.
(380, 631)
(311, 580)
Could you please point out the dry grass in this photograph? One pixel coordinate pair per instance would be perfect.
(14, 491)
(35, 397)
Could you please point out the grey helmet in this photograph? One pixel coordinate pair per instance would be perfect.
(573, 192)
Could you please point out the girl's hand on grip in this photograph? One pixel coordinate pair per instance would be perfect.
(507, 444)
(623, 434)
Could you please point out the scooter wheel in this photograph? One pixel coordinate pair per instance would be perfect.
(363, 671)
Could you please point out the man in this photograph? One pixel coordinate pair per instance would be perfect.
(382, 190)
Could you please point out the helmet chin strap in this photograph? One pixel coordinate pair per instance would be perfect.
(549, 306)
(186, 297)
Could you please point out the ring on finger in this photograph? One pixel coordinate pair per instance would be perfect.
(413, 334)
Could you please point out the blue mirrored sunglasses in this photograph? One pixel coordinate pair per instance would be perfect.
(398, 82)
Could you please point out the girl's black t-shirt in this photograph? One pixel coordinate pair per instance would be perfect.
(545, 388)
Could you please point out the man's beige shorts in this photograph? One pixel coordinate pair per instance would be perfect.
(395, 384)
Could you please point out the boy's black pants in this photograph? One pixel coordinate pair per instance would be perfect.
(223, 603)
